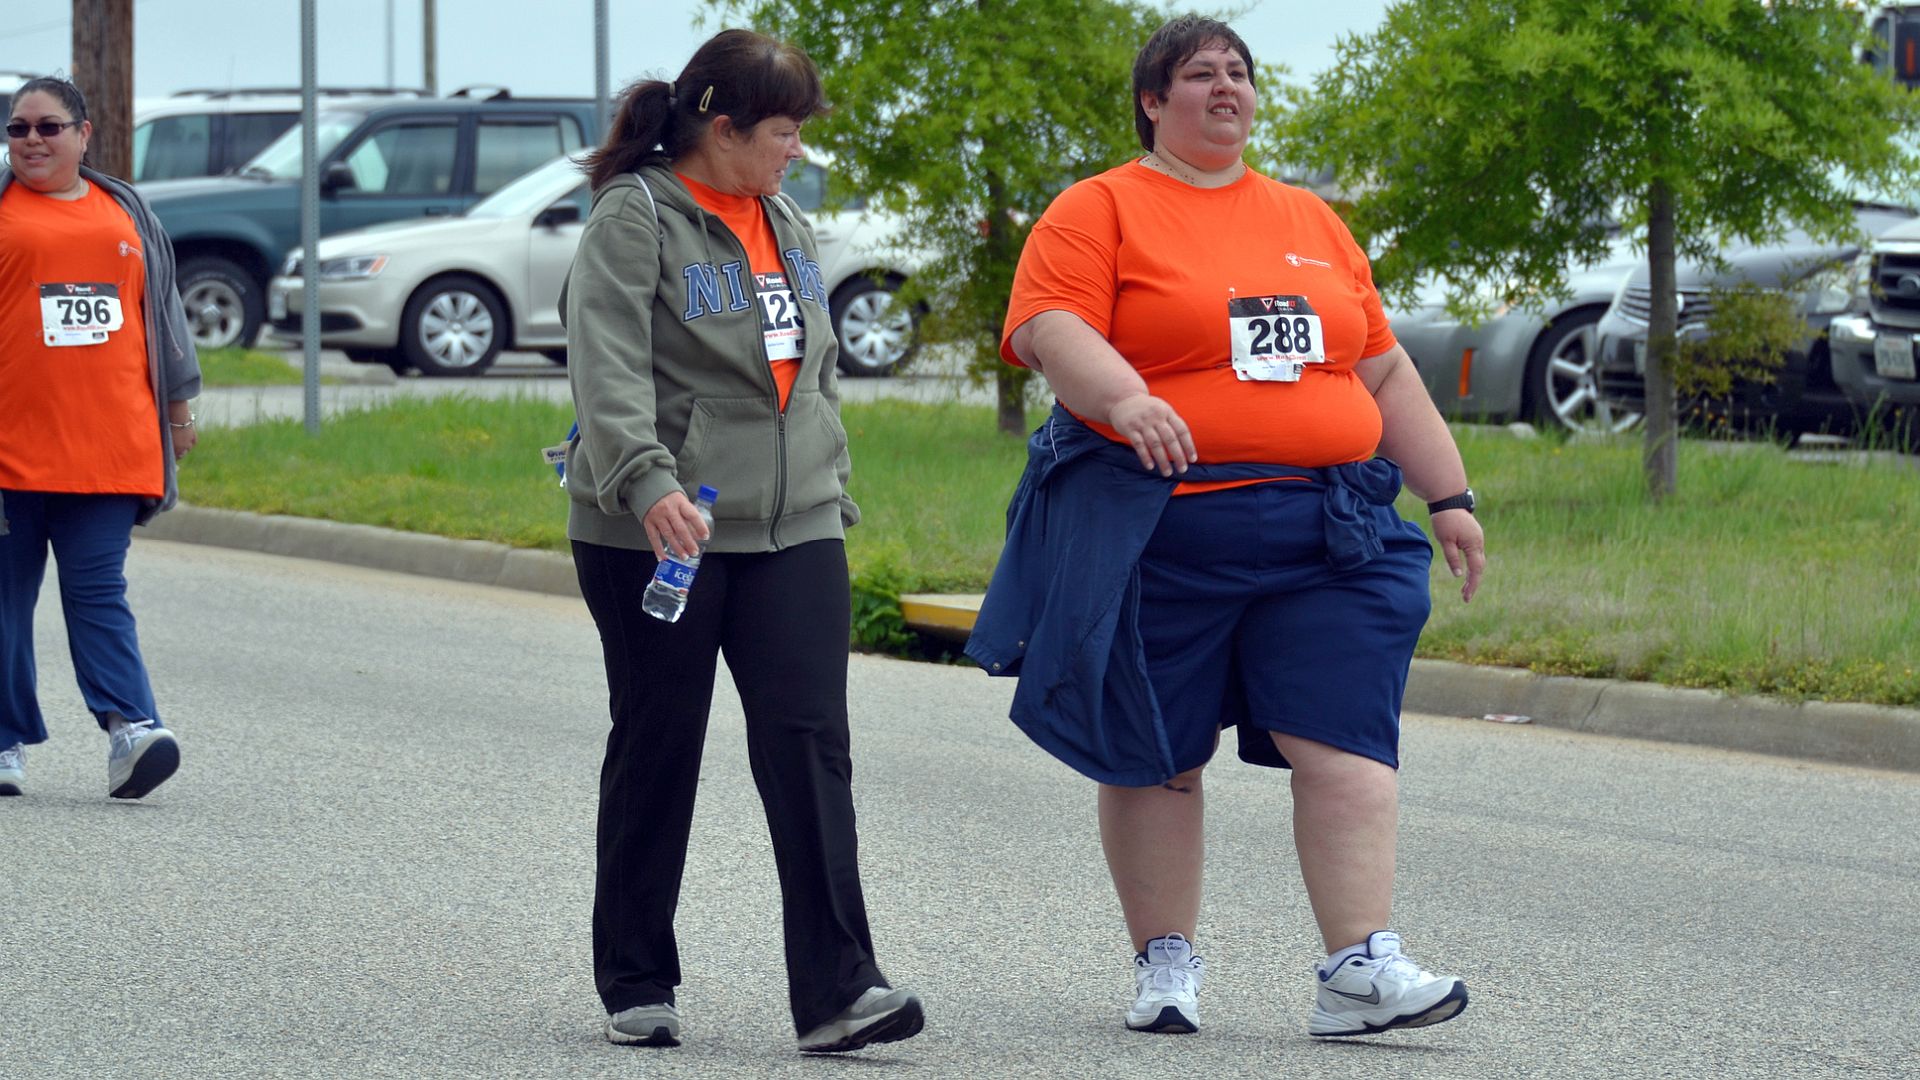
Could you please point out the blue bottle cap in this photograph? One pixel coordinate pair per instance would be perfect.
(708, 493)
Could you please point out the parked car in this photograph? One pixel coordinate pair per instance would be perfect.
(1873, 348)
(1816, 276)
(445, 297)
(1527, 362)
(211, 132)
(378, 162)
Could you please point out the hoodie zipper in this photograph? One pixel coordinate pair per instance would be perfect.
(766, 366)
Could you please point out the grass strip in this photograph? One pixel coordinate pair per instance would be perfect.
(249, 367)
(1765, 574)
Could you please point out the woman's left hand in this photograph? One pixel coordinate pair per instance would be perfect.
(185, 432)
(1463, 545)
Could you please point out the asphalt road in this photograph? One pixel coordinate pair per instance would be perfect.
(376, 862)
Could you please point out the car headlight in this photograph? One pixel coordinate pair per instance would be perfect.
(291, 268)
(352, 268)
(1829, 291)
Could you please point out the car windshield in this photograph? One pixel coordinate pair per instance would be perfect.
(533, 192)
(281, 159)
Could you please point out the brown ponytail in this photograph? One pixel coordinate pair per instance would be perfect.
(737, 73)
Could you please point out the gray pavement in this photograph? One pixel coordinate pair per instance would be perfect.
(376, 862)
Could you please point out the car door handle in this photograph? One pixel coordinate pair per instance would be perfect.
(437, 211)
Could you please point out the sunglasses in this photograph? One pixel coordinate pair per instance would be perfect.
(46, 128)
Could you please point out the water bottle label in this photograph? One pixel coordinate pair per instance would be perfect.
(676, 574)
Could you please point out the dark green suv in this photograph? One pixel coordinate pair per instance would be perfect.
(399, 161)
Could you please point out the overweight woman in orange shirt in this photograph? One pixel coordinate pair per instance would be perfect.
(1201, 323)
(96, 373)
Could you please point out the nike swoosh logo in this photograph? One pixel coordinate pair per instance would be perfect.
(1371, 997)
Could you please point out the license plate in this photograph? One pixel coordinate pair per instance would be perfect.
(276, 305)
(1893, 356)
(1640, 358)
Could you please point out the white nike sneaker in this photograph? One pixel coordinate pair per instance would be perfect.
(1379, 988)
(1166, 980)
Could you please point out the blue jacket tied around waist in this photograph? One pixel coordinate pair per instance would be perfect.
(1062, 611)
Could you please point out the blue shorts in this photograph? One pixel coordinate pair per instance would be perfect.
(1245, 624)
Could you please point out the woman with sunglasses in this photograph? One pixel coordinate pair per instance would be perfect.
(97, 372)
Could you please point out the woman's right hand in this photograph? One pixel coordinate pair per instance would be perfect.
(1157, 433)
(674, 522)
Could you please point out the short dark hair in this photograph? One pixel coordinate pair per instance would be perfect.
(1170, 46)
(69, 94)
(739, 74)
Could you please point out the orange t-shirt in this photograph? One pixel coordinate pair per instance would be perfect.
(75, 390)
(1152, 264)
(781, 327)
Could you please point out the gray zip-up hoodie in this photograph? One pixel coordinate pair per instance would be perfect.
(173, 367)
(670, 377)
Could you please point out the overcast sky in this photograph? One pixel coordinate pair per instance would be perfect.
(213, 43)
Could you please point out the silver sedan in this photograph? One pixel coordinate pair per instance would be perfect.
(1532, 362)
(444, 297)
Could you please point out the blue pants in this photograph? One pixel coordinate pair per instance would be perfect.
(89, 536)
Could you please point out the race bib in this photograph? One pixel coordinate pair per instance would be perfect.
(781, 326)
(79, 313)
(1274, 337)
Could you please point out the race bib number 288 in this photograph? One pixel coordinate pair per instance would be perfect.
(1274, 337)
(79, 313)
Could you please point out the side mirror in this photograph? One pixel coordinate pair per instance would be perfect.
(337, 177)
(558, 214)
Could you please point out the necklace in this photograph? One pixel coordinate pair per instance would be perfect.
(1184, 176)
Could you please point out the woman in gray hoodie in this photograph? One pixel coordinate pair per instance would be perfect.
(701, 353)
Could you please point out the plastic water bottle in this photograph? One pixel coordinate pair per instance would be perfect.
(666, 595)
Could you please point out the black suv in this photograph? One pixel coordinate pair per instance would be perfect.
(378, 163)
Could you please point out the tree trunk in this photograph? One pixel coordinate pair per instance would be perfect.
(1661, 457)
(1010, 385)
(1010, 397)
(103, 70)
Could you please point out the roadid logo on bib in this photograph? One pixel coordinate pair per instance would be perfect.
(1274, 337)
(781, 326)
(79, 313)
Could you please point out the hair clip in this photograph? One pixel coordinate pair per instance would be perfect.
(706, 98)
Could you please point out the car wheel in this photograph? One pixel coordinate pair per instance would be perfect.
(877, 333)
(224, 305)
(1563, 378)
(453, 326)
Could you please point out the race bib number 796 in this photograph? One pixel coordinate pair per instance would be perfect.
(79, 313)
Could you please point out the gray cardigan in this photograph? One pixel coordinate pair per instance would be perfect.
(173, 368)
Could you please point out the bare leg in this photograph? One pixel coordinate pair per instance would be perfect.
(1155, 845)
(1346, 811)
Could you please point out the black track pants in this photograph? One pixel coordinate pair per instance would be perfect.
(781, 619)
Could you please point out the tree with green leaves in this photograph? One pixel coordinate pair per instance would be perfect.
(967, 117)
(1490, 140)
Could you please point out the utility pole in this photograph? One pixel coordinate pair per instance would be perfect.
(429, 75)
(103, 70)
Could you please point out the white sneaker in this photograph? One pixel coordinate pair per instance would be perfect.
(645, 1025)
(881, 1014)
(140, 757)
(13, 769)
(1166, 981)
(1379, 988)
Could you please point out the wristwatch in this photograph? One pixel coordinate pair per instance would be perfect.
(1462, 501)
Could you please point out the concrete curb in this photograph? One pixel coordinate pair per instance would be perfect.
(1871, 736)
(476, 561)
